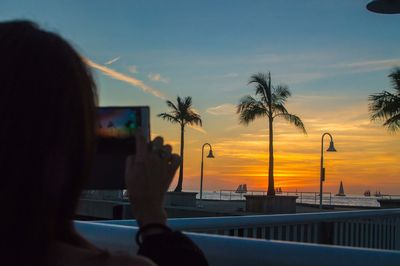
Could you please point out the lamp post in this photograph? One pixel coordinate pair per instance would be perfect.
(210, 155)
(322, 169)
(384, 6)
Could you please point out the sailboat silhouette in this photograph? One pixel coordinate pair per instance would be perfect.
(341, 190)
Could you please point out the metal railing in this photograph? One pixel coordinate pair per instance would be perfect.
(368, 229)
(223, 250)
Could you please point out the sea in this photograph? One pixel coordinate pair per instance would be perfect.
(303, 197)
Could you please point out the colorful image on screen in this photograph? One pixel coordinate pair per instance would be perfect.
(117, 122)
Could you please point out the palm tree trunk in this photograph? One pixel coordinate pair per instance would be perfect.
(180, 180)
(271, 185)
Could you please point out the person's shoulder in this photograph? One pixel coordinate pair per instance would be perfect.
(65, 254)
(127, 260)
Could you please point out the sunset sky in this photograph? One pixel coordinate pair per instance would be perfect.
(331, 54)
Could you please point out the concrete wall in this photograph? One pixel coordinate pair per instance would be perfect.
(271, 204)
(92, 209)
(389, 203)
(186, 199)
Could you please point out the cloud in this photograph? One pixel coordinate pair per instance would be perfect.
(223, 109)
(125, 78)
(198, 128)
(369, 65)
(229, 75)
(295, 78)
(112, 60)
(303, 58)
(254, 136)
(311, 97)
(157, 77)
(233, 128)
(133, 69)
(339, 69)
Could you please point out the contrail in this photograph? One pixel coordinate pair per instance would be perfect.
(125, 78)
(132, 81)
(112, 60)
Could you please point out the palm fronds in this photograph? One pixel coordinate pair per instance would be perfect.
(294, 120)
(168, 117)
(268, 101)
(263, 86)
(281, 94)
(182, 112)
(385, 106)
(395, 79)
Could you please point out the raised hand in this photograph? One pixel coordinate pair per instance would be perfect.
(148, 175)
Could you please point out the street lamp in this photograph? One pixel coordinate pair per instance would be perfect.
(210, 155)
(322, 169)
(384, 6)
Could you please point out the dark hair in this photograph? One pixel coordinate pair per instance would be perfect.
(47, 110)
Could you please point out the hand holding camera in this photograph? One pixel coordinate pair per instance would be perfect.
(148, 175)
(125, 158)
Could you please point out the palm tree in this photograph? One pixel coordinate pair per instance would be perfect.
(386, 105)
(130, 126)
(269, 102)
(183, 114)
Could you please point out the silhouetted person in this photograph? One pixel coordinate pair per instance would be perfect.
(45, 160)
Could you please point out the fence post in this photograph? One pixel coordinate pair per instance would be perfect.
(325, 231)
(397, 234)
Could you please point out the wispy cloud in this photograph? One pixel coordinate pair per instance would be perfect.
(157, 77)
(339, 69)
(295, 78)
(233, 128)
(283, 58)
(312, 97)
(112, 60)
(369, 65)
(125, 78)
(198, 128)
(229, 75)
(133, 69)
(223, 109)
(254, 136)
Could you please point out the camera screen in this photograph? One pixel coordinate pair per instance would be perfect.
(116, 128)
(119, 123)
